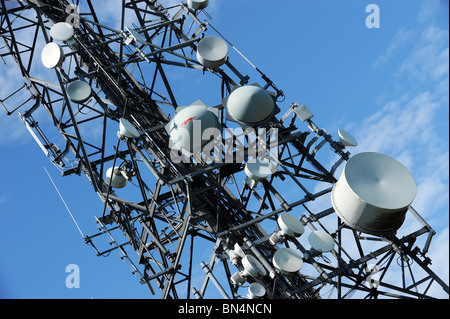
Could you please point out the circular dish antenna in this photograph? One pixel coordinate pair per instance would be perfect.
(61, 31)
(188, 126)
(256, 291)
(287, 260)
(253, 267)
(212, 52)
(127, 129)
(79, 91)
(347, 139)
(197, 4)
(373, 193)
(115, 178)
(259, 170)
(290, 225)
(52, 55)
(250, 105)
(321, 241)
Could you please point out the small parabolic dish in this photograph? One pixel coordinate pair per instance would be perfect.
(52, 55)
(256, 290)
(373, 193)
(212, 52)
(290, 225)
(115, 178)
(250, 105)
(321, 241)
(287, 260)
(79, 91)
(188, 128)
(127, 129)
(197, 4)
(253, 267)
(61, 31)
(258, 170)
(346, 138)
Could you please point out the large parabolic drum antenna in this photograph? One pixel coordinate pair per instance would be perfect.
(232, 178)
(374, 193)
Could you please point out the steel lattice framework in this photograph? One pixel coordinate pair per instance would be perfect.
(181, 206)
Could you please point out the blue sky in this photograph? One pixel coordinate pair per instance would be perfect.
(388, 86)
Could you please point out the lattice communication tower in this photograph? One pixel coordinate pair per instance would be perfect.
(252, 191)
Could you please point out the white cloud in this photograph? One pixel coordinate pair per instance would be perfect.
(429, 58)
(402, 38)
(404, 126)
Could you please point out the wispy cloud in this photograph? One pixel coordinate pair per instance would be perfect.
(429, 57)
(400, 123)
(431, 10)
(402, 38)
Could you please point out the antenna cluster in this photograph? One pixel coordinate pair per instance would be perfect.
(277, 222)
